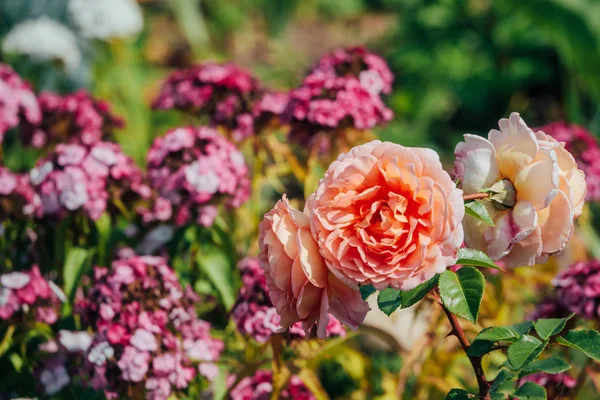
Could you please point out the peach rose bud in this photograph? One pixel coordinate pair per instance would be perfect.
(538, 191)
(299, 283)
(387, 215)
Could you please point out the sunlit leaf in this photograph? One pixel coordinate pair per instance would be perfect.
(462, 292)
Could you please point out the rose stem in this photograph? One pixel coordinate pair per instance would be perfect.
(475, 196)
(484, 385)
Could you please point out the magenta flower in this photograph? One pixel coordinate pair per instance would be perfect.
(342, 91)
(260, 387)
(223, 93)
(74, 177)
(578, 289)
(146, 328)
(193, 170)
(18, 103)
(29, 294)
(76, 118)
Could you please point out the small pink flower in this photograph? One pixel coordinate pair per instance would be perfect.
(133, 364)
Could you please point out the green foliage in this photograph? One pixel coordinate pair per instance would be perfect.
(366, 291)
(476, 258)
(73, 269)
(550, 327)
(530, 391)
(459, 394)
(390, 299)
(550, 365)
(478, 210)
(524, 350)
(587, 341)
(216, 265)
(462, 292)
(507, 333)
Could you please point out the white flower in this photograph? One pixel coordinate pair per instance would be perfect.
(155, 239)
(143, 340)
(15, 280)
(372, 81)
(54, 379)
(75, 341)
(202, 182)
(100, 353)
(44, 39)
(105, 19)
(37, 175)
(104, 155)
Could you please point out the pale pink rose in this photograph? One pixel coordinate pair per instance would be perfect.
(541, 192)
(387, 215)
(300, 286)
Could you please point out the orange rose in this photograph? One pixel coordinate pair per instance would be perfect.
(300, 286)
(387, 215)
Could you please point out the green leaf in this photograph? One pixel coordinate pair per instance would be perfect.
(366, 291)
(478, 210)
(103, 227)
(73, 269)
(410, 297)
(503, 384)
(460, 394)
(524, 350)
(550, 326)
(479, 348)
(476, 258)
(215, 264)
(509, 333)
(462, 292)
(587, 341)
(530, 391)
(550, 365)
(389, 300)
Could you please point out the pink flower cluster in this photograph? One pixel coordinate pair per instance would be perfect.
(342, 91)
(557, 385)
(578, 289)
(149, 341)
(194, 169)
(73, 118)
(29, 293)
(18, 103)
(75, 177)
(583, 145)
(260, 387)
(255, 315)
(221, 92)
(18, 200)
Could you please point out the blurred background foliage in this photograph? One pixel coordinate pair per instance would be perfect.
(459, 65)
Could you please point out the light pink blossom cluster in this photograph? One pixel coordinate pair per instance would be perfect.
(342, 91)
(18, 200)
(221, 92)
(18, 103)
(583, 145)
(148, 339)
(28, 293)
(74, 177)
(255, 315)
(260, 387)
(73, 118)
(194, 170)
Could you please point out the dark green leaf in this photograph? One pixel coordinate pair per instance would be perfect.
(550, 365)
(462, 292)
(216, 266)
(504, 384)
(476, 258)
(460, 394)
(505, 333)
(587, 341)
(551, 326)
(530, 391)
(73, 269)
(366, 291)
(480, 347)
(478, 210)
(524, 350)
(410, 297)
(389, 300)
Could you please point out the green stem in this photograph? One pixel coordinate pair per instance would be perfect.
(5, 344)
